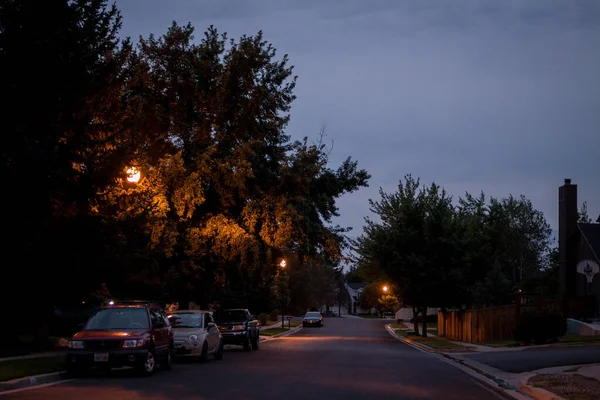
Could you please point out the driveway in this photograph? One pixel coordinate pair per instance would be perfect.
(530, 360)
(350, 358)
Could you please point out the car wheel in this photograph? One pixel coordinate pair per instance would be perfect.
(247, 343)
(220, 352)
(168, 364)
(148, 367)
(204, 355)
(255, 342)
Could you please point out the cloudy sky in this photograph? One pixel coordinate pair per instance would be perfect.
(494, 95)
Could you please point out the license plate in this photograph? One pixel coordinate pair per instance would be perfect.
(101, 357)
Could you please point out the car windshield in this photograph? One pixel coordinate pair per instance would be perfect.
(231, 316)
(312, 315)
(118, 318)
(186, 320)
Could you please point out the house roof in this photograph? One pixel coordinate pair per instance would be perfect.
(356, 286)
(591, 234)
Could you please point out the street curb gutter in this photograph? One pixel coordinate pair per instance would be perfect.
(538, 393)
(29, 381)
(283, 334)
(498, 385)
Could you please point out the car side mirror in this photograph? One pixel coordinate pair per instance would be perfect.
(251, 317)
(210, 325)
(158, 324)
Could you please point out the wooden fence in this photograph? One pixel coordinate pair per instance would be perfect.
(497, 323)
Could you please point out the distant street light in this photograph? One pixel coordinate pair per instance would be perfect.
(133, 175)
(282, 264)
(385, 288)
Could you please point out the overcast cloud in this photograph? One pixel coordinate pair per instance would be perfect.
(500, 96)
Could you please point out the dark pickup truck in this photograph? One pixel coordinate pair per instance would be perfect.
(238, 327)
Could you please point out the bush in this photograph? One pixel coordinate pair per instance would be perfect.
(274, 315)
(540, 327)
(263, 318)
(431, 319)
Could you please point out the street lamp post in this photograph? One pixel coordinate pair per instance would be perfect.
(282, 264)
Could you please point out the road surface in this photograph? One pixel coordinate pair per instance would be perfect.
(349, 358)
(530, 360)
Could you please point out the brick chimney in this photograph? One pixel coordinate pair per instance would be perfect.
(567, 238)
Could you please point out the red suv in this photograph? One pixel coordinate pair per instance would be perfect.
(135, 334)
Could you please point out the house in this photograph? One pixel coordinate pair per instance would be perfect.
(578, 243)
(355, 289)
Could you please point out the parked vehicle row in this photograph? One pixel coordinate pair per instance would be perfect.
(141, 335)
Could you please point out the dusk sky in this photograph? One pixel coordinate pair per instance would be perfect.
(500, 96)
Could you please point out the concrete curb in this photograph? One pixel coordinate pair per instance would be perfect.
(29, 381)
(283, 334)
(412, 343)
(537, 393)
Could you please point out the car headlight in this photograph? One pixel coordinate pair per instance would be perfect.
(76, 344)
(133, 343)
(193, 338)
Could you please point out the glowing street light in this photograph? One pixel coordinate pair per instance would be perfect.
(133, 175)
(111, 303)
(282, 264)
(385, 288)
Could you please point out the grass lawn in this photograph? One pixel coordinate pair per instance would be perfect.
(568, 339)
(574, 338)
(436, 343)
(30, 366)
(272, 331)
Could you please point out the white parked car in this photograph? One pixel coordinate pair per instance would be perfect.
(196, 334)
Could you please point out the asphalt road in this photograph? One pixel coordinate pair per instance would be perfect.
(347, 359)
(530, 360)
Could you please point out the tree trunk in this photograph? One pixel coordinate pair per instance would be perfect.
(424, 313)
(416, 320)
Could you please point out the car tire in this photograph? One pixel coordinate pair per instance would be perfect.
(148, 367)
(168, 364)
(204, 355)
(219, 353)
(256, 343)
(247, 343)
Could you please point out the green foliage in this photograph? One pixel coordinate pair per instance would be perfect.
(540, 327)
(274, 315)
(582, 214)
(263, 319)
(313, 284)
(388, 303)
(438, 254)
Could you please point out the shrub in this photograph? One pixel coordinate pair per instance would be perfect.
(263, 319)
(540, 327)
(274, 315)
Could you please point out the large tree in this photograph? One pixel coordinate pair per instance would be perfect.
(225, 194)
(62, 143)
(414, 244)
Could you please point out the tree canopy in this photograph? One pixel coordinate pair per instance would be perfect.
(224, 192)
(441, 253)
